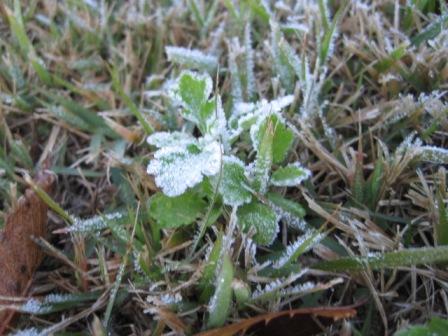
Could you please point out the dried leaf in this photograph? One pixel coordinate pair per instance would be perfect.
(287, 322)
(20, 256)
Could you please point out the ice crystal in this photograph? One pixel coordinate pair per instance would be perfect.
(95, 223)
(433, 154)
(191, 58)
(166, 139)
(276, 285)
(236, 89)
(29, 332)
(291, 175)
(300, 246)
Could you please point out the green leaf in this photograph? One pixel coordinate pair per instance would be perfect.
(431, 31)
(233, 182)
(287, 205)
(208, 275)
(263, 143)
(407, 257)
(435, 327)
(289, 176)
(193, 90)
(260, 217)
(442, 225)
(172, 212)
(374, 184)
(283, 136)
(259, 8)
(219, 305)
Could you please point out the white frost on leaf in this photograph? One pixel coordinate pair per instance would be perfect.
(300, 246)
(434, 154)
(190, 95)
(178, 168)
(191, 58)
(174, 139)
(232, 186)
(95, 223)
(277, 285)
(291, 175)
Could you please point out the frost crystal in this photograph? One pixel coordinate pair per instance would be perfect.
(178, 168)
(291, 175)
(95, 223)
(277, 285)
(191, 58)
(300, 246)
(434, 154)
(250, 76)
(166, 139)
(29, 332)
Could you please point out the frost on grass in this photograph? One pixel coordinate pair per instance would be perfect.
(164, 299)
(291, 175)
(178, 168)
(249, 53)
(29, 332)
(434, 154)
(300, 246)
(191, 58)
(273, 288)
(95, 223)
(45, 306)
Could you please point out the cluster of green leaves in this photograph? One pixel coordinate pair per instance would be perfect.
(196, 172)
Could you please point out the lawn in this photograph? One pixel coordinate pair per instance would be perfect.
(211, 166)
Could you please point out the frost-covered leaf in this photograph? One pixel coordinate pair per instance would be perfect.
(291, 175)
(192, 91)
(220, 302)
(289, 211)
(434, 154)
(191, 58)
(263, 163)
(283, 136)
(95, 223)
(212, 120)
(283, 69)
(262, 218)
(300, 246)
(174, 139)
(273, 288)
(172, 212)
(233, 182)
(178, 168)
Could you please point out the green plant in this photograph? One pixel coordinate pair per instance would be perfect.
(192, 169)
